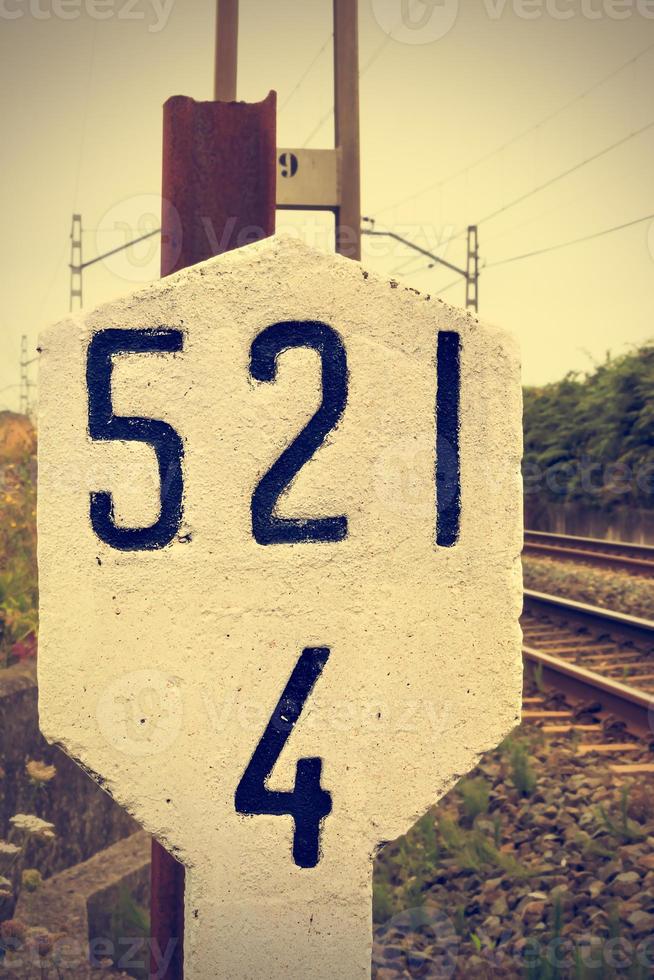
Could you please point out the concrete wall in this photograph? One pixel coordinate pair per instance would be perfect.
(622, 524)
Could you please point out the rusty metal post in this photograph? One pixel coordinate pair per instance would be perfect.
(166, 912)
(219, 176)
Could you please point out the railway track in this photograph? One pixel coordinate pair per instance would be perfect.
(635, 558)
(600, 659)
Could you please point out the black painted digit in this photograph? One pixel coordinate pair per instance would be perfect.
(448, 452)
(288, 163)
(308, 803)
(105, 426)
(271, 342)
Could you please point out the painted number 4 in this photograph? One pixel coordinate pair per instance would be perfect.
(308, 803)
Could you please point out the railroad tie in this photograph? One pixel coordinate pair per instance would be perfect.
(635, 769)
(609, 748)
(537, 715)
(566, 729)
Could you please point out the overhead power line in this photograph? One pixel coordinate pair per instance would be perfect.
(573, 241)
(77, 266)
(450, 285)
(436, 259)
(87, 99)
(306, 73)
(547, 212)
(565, 173)
(321, 122)
(403, 265)
(369, 63)
(376, 54)
(547, 183)
(120, 248)
(514, 139)
(402, 268)
(470, 274)
(553, 248)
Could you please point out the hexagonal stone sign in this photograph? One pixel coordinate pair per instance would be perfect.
(279, 533)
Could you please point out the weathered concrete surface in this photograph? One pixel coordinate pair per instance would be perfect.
(175, 659)
(86, 819)
(75, 907)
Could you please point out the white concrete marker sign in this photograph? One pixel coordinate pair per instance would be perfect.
(279, 532)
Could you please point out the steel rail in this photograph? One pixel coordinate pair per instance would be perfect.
(635, 706)
(620, 554)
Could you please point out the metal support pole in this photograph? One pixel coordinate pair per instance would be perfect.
(24, 380)
(219, 177)
(226, 50)
(472, 270)
(346, 103)
(76, 262)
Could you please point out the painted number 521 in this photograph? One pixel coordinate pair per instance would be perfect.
(265, 352)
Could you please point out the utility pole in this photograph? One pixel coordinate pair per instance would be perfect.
(24, 379)
(346, 107)
(226, 51)
(471, 272)
(330, 179)
(472, 269)
(25, 403)
(76, 265)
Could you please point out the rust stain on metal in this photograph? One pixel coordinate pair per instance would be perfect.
(219, 178)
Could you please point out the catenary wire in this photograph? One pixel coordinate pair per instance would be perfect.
(573, 241)
(369, 63)
(549, 183)
(305, 74)
(514, 139)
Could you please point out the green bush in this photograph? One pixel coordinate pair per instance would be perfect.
(604, 417)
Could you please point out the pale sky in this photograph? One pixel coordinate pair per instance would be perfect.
(82, 102)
